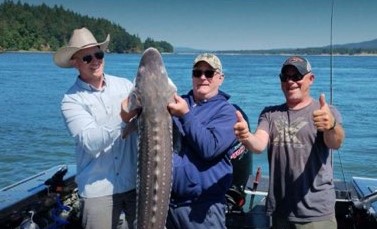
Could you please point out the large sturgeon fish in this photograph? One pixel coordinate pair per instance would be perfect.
(152, 94)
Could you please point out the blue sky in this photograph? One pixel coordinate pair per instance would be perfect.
(235, 24)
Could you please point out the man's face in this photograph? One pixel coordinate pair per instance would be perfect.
(205, 87)
(296, 91)
(90, 63)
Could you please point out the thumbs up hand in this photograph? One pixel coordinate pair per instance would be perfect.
(241, 129)
(323, 117)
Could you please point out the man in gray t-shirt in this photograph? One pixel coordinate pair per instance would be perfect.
(298, 135)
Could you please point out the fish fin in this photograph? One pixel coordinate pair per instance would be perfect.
(133, 101)
(171, 90)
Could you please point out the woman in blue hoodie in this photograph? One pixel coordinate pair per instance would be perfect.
(202, 170)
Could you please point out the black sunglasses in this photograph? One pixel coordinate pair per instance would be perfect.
(88, 58)
(294, 78)
(198, 73)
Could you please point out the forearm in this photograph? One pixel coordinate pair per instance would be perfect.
(334, 138)
(209, 141)
(256, 142)
(97, 140)
(94, 137)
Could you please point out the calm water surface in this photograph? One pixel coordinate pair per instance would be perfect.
(33, 136)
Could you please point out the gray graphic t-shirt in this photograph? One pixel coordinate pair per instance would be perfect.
(301, 175)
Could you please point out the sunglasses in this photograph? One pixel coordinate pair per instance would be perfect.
(294, 78)
(88, 58)
(207, 73)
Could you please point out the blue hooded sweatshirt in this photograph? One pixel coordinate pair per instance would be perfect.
(202, 170)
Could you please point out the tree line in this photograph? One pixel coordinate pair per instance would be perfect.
(44, 28)
(361, 48)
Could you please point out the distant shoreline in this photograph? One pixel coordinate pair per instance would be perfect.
(222, 52)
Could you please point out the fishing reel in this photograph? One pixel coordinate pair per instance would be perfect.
(235, 198)
(362, 212)
(58, 206)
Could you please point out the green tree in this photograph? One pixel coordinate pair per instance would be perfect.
(24, 27)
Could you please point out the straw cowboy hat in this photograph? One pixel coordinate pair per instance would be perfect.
(80, 39)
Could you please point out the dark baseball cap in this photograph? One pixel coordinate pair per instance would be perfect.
(300, 63)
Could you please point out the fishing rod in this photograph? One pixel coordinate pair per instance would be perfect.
(331, 51)
(331, 93)
(331, 66)
(365, 202)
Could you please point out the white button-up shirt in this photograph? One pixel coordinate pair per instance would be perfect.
(106, 163)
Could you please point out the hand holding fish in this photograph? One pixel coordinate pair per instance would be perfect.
(128, 117)
(179, 107)
(125, 114)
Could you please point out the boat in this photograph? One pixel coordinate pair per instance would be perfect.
(355, 207)
(49, 199)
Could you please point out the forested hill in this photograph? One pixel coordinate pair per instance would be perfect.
(42, 28)
(360, 48)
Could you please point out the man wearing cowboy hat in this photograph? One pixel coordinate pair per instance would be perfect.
(106, 163)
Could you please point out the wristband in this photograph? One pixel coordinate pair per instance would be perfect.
(333, 126)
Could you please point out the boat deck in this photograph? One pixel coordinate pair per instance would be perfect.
(356, 204)
(32, 194)
(253, 213)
